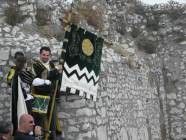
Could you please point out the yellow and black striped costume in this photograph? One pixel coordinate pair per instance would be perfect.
(44, 71)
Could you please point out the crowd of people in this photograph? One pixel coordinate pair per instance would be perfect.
(34, 90)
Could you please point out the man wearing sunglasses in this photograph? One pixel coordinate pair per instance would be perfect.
(26, 125)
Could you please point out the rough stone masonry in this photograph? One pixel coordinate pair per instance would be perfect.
(140, 97)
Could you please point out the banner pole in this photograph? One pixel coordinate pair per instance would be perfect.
(51, 111)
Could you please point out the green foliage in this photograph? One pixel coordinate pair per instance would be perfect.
(139, 9)
(42, 16)
(50, 31)
(172, 9)
(147, 45)
(94, 17)
(179, 37)
(13, 15)
(135, 32)
(121, 27)
(152, 21)
(153, 24)
(174, 13)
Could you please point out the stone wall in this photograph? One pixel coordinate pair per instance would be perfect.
(126, 108)
(141, 93)
(127, 105)
(173, 56)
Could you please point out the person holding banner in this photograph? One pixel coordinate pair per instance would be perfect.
(21, 97)
(44, 93)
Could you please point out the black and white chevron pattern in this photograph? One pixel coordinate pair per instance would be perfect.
(82, 80)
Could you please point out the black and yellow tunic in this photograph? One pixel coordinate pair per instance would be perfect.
(26, 78)
(45, 71)
(10, 75)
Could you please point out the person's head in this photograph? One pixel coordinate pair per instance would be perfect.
(6, 130)
(20, 63)
(26, 123)
(17, 54)
(45, 54)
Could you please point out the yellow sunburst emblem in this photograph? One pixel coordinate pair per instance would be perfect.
(87, 47)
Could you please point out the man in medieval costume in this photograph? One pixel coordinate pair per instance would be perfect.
(21, 91)
(43, 68)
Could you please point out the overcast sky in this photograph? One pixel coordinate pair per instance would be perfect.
(151, 1)
(161, 1)
(70, 1)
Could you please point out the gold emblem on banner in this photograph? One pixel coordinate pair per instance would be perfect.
(87, 47)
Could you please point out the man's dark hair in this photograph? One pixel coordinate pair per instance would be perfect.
(20, 62)
(18, 53)
(45, 48)
(5, 127)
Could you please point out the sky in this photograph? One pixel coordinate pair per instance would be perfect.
(161, 1)
(152, 1)
(69, 1)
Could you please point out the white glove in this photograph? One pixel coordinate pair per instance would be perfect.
(47, 82)
(39, 82)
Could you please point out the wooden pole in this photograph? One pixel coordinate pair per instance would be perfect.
(51, 110)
